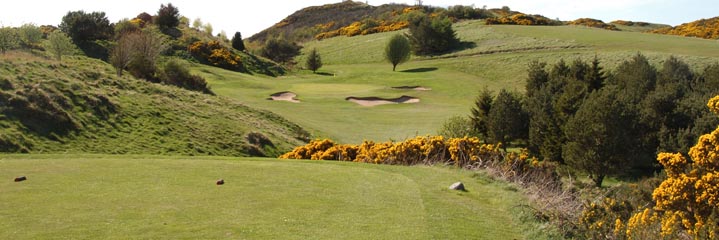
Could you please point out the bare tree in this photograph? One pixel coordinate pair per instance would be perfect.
(146, 48)
(122, 54)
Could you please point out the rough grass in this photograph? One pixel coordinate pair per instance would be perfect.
(497, 58)
(121, 197)
(79, 105)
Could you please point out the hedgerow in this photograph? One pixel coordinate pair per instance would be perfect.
(460, 152)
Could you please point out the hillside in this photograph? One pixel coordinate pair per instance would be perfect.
(80, 105)
(703, 28)
(306, 23)
(637, 26)
(355, 67)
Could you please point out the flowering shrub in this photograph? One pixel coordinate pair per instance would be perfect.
(595, 23)
(630, 23)
(687, 202)
(600, 220)
(214, 53)
(521, 19)
(461, 152)
(704, 28)
(359, 28)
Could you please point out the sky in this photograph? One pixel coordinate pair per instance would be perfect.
(250, 17)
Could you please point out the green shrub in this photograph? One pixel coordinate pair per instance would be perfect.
(457, 127)
(176, 74)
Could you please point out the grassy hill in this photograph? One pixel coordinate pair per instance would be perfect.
(632, 26)
(354, 66)
(306, 23)
(132, 196)
(79, 105)
(702, 28)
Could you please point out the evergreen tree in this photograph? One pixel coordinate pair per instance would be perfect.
(314, 61)
(432, 35)
(537, 77)
(480, 112)
(84, 27)
(636, 78)
(595, 77)
(600, 137)
(507, 120)
(168, 16)
(280, 50)
(397, 50)
(237, 42)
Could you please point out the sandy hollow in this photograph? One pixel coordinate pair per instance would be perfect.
(416, 88)
(284, 96)
(375, 101)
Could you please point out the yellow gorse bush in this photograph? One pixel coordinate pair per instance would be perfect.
(687, 202)
(358, 28)
(704, 28)
(214, 53)
(520, 19)
(418, 150)
(461, 152)
(595, 23)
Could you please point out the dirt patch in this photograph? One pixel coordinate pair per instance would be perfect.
(284, 96)
(416, 88)
(375, 101)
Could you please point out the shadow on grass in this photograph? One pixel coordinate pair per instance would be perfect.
(420, 70)
(466, 45)
(325, 73)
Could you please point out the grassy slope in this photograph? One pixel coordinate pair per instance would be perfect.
(499, 59)
(138, 117)
(120, 197)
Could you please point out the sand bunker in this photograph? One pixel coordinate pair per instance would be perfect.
(375, 101)
(284, 96)
(416, 88)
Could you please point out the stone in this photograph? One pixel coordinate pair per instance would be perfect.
(220, 182)
(459, 186)
(20, 179)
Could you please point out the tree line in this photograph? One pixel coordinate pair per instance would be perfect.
(598, 122)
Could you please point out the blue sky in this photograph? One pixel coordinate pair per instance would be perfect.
(250, 17)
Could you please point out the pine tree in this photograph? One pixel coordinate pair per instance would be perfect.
(507, 120)
(168, 16)
(601, 136)
(237, 42)
(314, 61)
(480, 112)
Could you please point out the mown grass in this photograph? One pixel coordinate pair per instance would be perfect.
(354, 66)
(135, 196)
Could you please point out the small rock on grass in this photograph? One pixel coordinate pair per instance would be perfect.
(459, 186)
